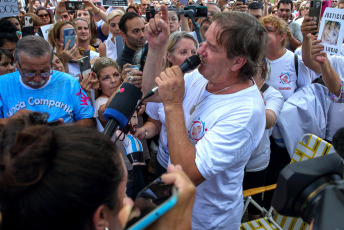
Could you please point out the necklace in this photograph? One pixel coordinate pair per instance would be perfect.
(194, 106)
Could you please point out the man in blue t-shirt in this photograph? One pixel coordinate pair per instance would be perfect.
(35, 87)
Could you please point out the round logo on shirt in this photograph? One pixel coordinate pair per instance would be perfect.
(197, 130)
(285, 78)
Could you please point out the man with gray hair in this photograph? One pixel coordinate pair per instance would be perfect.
(36, 87)
(216, 116)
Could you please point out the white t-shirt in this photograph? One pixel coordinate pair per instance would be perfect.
(73, 67)
(338, 64)
(283, 75)
(157, 112)
(224, 130)
(99, 102)
(260, 157)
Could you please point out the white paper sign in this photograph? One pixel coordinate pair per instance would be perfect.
(331, 31)
(9, 8)
(45, 31)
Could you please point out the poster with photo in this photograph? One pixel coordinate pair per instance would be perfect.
(331, 32)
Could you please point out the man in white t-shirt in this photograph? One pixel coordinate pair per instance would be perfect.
(216, 117)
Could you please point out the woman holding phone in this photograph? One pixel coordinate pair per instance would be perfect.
(68, 177)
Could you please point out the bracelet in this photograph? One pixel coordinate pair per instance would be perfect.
(145, 132)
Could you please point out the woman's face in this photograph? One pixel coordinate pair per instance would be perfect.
(173, 21)
(44, 16)
(57, 64)
(84, 14)
(6, 65)
(60, 40)
(185, 48)
(275, 38)
(109, 80)
(16, 23)
(113, 26)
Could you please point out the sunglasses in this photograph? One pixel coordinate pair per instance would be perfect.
(43, 15)
(97, 3)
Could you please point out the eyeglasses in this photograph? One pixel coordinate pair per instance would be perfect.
(97, 3)
(32, 75)
(43, 15)
(65, 16)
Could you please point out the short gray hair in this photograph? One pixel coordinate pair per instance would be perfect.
(34, 46)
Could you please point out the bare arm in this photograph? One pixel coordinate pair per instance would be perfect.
(270, 118)
(152, 127)
(157, 34)
(307, 28)
(171, 83)
(329, 75)
(102, 50)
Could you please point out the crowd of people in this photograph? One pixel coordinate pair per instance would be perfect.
(212, 132)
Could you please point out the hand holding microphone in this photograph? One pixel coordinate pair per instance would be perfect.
(189, 64)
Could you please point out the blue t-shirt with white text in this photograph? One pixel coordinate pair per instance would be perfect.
(61, 97)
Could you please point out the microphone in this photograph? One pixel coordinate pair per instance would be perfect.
(121, 108)
(189, 64)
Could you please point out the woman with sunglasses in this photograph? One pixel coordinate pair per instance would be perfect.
(45, 15)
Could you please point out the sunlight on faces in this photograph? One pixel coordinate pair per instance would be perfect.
(83, 30)
(84, 14)
(110, 80)
(6, 65)
(37, 65)
(184, 49)
(113, 26)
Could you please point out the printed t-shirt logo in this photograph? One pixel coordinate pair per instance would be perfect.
(197, 130)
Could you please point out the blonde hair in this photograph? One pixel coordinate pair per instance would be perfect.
(172, 42)
(280, 25)
(113, 14)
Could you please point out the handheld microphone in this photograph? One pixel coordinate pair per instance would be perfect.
(121, 108)
(189, 64)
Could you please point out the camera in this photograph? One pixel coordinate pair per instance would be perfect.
(195, 11)
(313, 190)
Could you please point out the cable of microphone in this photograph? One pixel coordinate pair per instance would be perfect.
(189, 64)
(121, 108)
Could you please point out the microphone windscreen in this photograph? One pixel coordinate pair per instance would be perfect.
(190, 63)
(123, 105)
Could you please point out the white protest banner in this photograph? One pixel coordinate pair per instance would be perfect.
(331, 32)
(45, 30)
(114, 2)
(9, 8)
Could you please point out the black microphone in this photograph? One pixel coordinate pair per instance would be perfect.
(121, 108)
(189, 64)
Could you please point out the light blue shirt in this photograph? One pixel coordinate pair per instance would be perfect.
(61, 97)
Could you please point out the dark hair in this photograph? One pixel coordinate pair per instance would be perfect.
(7, 53)
(49, 12)
(174, 9)
(131, 7)
(285, 2)
(124, 18)
(242, 35)
(255, 6)
(51, 178)
(7, 32)
(8, 19)
(338, 142)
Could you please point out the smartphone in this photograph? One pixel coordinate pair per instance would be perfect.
(75, 5)
(85, 66)
(28, 21)
(69, 34)
(314, 11)
(28, 30)
(201, 11)
(153, 201)
(150, 13)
